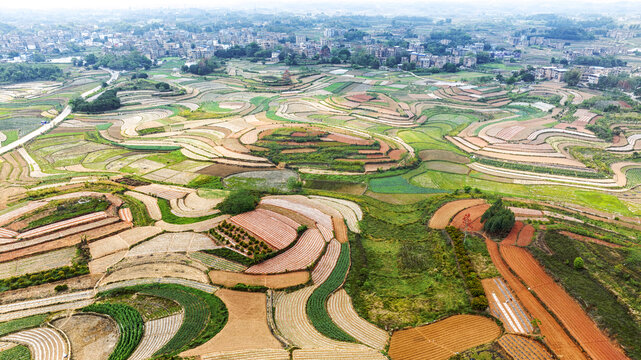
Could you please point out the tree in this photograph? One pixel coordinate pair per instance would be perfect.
(239, 201)
(572, 77)
(579, 264)
(498, 220)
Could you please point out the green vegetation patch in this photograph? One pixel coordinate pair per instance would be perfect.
(392, 289)
(21, 324)
(238, 202)
(205, 314)
(68, 209)
(206, 182)
(170, 217)
(317, 302)
(19, 352)
(399, 185)
(130, 327)
(337, 87)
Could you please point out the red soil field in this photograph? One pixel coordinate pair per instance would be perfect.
(360, 98)
(306, 250)
(555, 336)
(442, 339)
(442, 216)
(510, 239)
(522, 348)
(340, 230)
(475, 215)
(568, 311)
(525, 236)
(588, 239)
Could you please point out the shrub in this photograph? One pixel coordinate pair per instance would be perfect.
(61, 287)
(239, 201)
(579, 264)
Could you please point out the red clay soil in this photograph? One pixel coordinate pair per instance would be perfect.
(348, 139)
(360, 98)
(475, 215)
(588, 239)
(525, 236)
(510, 239)
(555, 336)
(568, 311)
(340, 230)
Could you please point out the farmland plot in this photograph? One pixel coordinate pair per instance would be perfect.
(268, 226)
(306, 250)
(47, 343)
(36, 263)
(92, 337)
(157, 333)
(444, 338)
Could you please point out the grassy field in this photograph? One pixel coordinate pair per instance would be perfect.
(402, 274)
(20, 324)
(398, 185)
(12, 135)
(19, 352)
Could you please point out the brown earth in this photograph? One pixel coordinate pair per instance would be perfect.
(441, 218)
(443, 339)
(92, 337)
(566, 309)
(223, 170)
(246, 326)
(340, 229)
(555, 336)
(272, 281)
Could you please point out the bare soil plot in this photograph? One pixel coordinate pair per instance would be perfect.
(263, 354)
(173, 242)
(268, 226)
(340, 230)
(340, 309)
(511, 237)
(92, 337)
(326, 264)
(475, 213)
(441, 218)
(122, 241)
(99, 266)
(554, 334)
(41, 262)
(272, 281)
(38, 247)
(567, 310)
(525, 236)
(156, 270)
(306, 250)
(44, 343)
(42, 230)
(246, 326)
(448, 167)
(151, 203)
(198, 227)
(223, 170)
(77, 283)
(523, 348)
(308, 210)
(443, 339)
(332, 354)
(350, 211)
(164, 191)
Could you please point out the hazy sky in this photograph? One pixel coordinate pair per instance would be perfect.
(315, 4)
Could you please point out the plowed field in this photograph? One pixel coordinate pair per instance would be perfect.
(443, 339)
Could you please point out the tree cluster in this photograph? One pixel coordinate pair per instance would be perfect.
(15, 73)
(105, 102)
(239, 201)
(498, 220)
(205, 66)
(603, 61)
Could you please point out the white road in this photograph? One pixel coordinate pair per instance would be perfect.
(57, 120)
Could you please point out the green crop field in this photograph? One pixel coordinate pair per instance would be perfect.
(21, 324)
(317, 302)
(337, 87)
(130, 327)
(19, 352)
(398, 185)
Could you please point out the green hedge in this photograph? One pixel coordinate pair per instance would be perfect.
(130, 325)
(317, 302)
(470, 277)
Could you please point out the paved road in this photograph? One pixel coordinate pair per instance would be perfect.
(57, 120)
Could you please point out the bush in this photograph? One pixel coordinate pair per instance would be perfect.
(301, 229)
(239, 201)
(470, 277)
(579, 264)
(61, 287)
